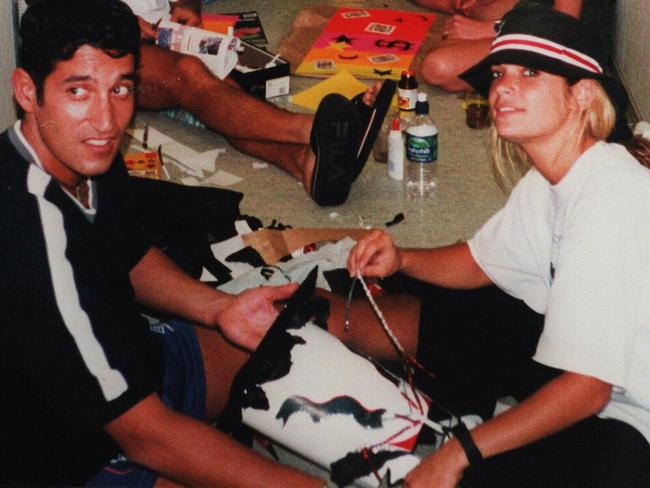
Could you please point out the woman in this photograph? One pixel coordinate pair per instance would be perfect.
(467, 35)
(573, 242)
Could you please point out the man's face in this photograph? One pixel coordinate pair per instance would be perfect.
(86, 105)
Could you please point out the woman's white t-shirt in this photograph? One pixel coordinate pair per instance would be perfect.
(579, 252)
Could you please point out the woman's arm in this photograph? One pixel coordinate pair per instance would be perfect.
(452, 266)
(560, 403)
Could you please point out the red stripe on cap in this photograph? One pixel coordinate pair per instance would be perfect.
(554, 50)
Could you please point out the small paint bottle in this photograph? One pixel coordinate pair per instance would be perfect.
(407, 91)
(395, 151)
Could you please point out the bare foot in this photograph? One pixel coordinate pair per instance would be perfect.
(308, 164)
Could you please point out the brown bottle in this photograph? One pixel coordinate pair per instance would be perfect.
(407, 91)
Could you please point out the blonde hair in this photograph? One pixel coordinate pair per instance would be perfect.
(510, 162)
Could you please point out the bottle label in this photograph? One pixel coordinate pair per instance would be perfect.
(422, 149)
(406, 99)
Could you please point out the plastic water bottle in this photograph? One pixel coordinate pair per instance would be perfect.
(395, 151)
(421, 151)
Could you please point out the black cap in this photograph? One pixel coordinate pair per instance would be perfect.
(542, 38)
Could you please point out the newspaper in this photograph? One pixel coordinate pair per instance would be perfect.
(217, 51)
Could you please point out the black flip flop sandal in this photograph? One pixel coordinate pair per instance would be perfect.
(372, 118)
(334, 139)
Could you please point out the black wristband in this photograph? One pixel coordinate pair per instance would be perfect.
(472, 452)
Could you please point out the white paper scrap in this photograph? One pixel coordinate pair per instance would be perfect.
(258, 165)
(183, 167)
(208, 159)
(207, 276)
(190, 181)
(223, 178)
(185, 155)
(155, 138)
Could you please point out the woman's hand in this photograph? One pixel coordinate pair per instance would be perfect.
(462, 27)
(441, 469)
(375, 255)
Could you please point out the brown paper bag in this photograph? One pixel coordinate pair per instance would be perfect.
(273, 244)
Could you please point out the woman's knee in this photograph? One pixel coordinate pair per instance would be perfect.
(439, 69)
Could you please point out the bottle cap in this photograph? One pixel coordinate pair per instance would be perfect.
(395, 125)
(422, 97)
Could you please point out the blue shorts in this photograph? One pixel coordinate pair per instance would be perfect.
(183, 391)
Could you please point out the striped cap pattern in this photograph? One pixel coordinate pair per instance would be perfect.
(544, 47)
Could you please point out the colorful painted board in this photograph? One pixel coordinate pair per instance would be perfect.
(369, 43)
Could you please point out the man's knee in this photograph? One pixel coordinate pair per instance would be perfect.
(191, 69)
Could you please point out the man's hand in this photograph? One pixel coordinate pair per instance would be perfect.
(244, 319)
(187, 12)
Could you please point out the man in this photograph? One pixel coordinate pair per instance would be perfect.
(170, 79)
(84, 377)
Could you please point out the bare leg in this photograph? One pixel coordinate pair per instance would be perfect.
(492, 10)
(442, 66)
(483, 9)
(401, 311)
(221, 362)
(446, 6)
(296, 159)
(169, 79)
(255, 127)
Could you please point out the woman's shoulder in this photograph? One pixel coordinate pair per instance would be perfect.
(617, 179)
(615, 162)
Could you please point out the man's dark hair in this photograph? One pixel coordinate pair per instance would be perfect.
(53, 30)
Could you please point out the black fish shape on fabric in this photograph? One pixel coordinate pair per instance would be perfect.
(359, 464)
(272, 359)
(343, 405)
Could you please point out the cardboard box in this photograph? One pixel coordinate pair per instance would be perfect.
(261, 73)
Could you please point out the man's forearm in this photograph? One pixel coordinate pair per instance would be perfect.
(194, 453)
(161, 285)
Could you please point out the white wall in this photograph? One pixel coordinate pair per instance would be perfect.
(7, 63)
(632, 51)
